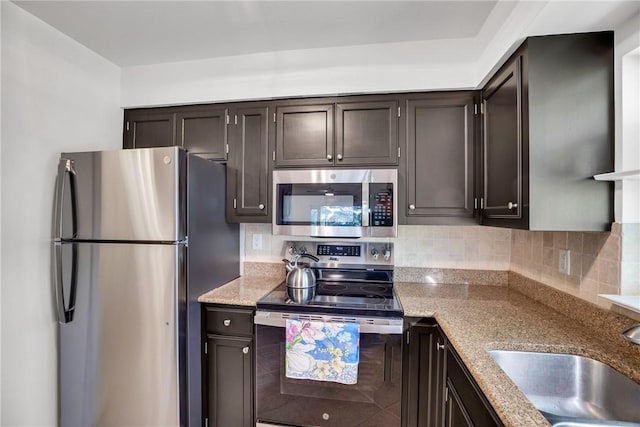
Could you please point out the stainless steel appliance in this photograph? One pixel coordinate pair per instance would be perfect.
(354, 284)
(138, 235)
(335, 202)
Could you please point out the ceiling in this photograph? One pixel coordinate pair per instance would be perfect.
(130, 33)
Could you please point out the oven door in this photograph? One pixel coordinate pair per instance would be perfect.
(295, 402)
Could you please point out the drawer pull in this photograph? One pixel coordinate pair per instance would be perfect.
(245, 350)
(226, 322)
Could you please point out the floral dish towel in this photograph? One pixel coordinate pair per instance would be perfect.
(322, 351)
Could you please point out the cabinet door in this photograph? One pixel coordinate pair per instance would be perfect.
(144, 129)
(425, 376)
(367, 133)
(502, 101)
(456, 413)
(203, 132)
(466, 405)
(304, 135)
(248, 171)
(229, 380)
(440, 158)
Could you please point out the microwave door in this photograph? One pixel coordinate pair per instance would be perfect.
(366, 212)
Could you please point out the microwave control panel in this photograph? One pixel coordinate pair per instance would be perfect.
(381, 195)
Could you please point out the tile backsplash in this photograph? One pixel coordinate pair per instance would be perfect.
(596, 264)
(600, 262)
(468, 247)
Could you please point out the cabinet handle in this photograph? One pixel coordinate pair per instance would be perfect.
(339, 156)
(512, 205)
(226, 322)
(412, 206)
(440, 346)
(261, 206)
(245, 350)
(329, 157)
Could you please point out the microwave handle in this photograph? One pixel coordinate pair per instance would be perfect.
(366, 211)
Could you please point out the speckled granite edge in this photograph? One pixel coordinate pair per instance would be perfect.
(264, 269)
(606, 322)
(445, 275)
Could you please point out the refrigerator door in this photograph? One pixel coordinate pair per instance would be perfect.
(125, 195)
(119, 351)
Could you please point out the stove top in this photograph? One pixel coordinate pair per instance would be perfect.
(354, 279)
(345, 298)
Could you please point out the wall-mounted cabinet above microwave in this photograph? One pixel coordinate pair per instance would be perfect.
(335, 203)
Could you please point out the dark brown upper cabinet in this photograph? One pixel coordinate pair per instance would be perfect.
(441, 158)
(503, 166)
(249, 165)
(199, 129)
(149, 128)
(548, 128)
(203, 132)
(304, 135)
(365, 132)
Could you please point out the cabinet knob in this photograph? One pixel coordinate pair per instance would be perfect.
(226, 322)
(329, 157)
(245, 350)
(261, 206)
(412, 206)
(440, 346)
(512, 205)
(339, 156)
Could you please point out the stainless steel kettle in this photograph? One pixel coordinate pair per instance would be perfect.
(300, 277)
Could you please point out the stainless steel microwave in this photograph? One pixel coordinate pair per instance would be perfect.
(335, 202)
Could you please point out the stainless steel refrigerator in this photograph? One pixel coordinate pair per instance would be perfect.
(138, 236)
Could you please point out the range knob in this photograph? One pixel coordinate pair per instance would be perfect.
(374, 253)
(387, 254)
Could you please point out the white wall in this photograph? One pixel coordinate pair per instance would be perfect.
(56, 96)
(372, 68)
(627, 78)
(0, 223)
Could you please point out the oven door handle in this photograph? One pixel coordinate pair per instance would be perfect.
(384, 326)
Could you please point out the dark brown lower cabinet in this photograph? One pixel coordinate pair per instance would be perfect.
(465, 404)
(456, 414)
(438, 389)
(228, 367)
(424, 363)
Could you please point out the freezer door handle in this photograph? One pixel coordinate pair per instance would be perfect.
(66, 168)
(65, 312)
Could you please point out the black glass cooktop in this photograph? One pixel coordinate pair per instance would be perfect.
(345, 298)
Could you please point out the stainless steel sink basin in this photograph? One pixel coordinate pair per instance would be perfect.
(573, 391)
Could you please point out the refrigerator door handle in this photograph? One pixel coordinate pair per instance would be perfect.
(65, 314)
(66, 167)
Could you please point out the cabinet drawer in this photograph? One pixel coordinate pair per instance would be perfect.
(224, 321)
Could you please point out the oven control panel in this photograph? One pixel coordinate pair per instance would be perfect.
(337, 253)
(338, 250)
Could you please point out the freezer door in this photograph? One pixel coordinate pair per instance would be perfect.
(132, 195)
(119, 351)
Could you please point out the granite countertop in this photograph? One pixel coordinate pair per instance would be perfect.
(478, 318)
(245, 290)
(481, 318)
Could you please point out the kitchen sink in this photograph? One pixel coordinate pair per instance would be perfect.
(573, 391)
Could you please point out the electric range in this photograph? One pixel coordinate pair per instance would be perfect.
(354, 285)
